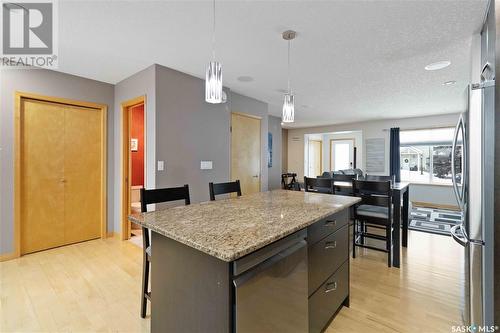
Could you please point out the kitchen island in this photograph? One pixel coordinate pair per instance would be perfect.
(274, 261)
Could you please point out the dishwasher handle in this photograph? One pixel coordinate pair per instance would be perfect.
(268, 263)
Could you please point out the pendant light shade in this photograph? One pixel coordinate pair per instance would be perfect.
(288, 115)
(213, 76)
(213, 83)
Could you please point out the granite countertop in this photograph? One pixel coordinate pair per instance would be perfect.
(231, 228)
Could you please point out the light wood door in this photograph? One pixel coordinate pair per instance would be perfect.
(315, 159)
(245, 152)
(82, 174)
(60, 175)
(42, 187)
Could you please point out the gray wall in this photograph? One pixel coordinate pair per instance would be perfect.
(139, 84)
(189, 130)
(274, 173)
(49, 83)
(181, 129)
(284, 150)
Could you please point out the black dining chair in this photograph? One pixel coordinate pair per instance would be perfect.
(378, 178)
(224, 188)
(343, 178)
(153, 197)
(374, 211)
(319, 185)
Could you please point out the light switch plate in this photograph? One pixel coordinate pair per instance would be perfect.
(206, 165)
(161, 165)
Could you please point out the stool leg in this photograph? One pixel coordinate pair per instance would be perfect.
(388, 234)
(354, 239)
(145, 285)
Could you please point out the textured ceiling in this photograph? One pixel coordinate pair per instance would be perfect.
(351, 61)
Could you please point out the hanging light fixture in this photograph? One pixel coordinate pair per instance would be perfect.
(213, 77)
(288, 115)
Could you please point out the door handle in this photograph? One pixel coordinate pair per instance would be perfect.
(453, 172)
(330, 245)
(331, 286)
(62, 180)
(330, 223)
(458, 235)
(256, 176)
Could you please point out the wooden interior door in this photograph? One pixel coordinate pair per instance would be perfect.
(315, 159)
(42, 181)
(245, 152)
(61, 161)
(82, 174)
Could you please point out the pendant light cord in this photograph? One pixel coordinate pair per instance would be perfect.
(213, 31)
(289, 90)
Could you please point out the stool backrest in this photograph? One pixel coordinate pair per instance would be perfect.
(164, 195)
(375, 193)
(316, 184)
(224, 188)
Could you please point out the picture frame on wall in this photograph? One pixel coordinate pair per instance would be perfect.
(134, 144)
(269, 150)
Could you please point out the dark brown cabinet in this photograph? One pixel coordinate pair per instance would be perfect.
(328, 268)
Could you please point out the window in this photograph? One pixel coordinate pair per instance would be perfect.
(426, 154)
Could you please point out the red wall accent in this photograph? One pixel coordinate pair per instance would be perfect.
(137, 132)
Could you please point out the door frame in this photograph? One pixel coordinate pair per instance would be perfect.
(18, 114)
(126, 165)
(320, 154)
(231, 144)
(343, 139)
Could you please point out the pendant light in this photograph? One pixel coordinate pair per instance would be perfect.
(288, 115)
(213, 77)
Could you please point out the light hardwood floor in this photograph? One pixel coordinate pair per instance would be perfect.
(95, 286)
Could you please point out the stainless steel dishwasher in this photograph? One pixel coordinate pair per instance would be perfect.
(271, 289)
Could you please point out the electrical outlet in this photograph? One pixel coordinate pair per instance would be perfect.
(161, 165)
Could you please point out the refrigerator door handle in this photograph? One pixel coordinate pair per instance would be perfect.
(453, 172)
(457, 232)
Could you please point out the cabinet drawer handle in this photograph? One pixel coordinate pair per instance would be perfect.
(330, 223)
(330, 245)
(331, 286)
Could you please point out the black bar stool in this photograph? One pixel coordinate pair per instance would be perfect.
(153, 197)
(224, 188)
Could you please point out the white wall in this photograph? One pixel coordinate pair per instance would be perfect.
(376, 129)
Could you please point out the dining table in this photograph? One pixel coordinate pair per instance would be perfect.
(400, 199)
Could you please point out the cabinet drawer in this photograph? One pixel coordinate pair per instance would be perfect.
(324, 303)
(326, 256)
(326, 226)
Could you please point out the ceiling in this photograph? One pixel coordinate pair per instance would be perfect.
(351, 60)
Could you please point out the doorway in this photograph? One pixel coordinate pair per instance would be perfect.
(341, 154)
(245, 151)
(133, 163)
(315, 158)
(60, 172)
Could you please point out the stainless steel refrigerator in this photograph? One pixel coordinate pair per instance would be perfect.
(473, 165)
